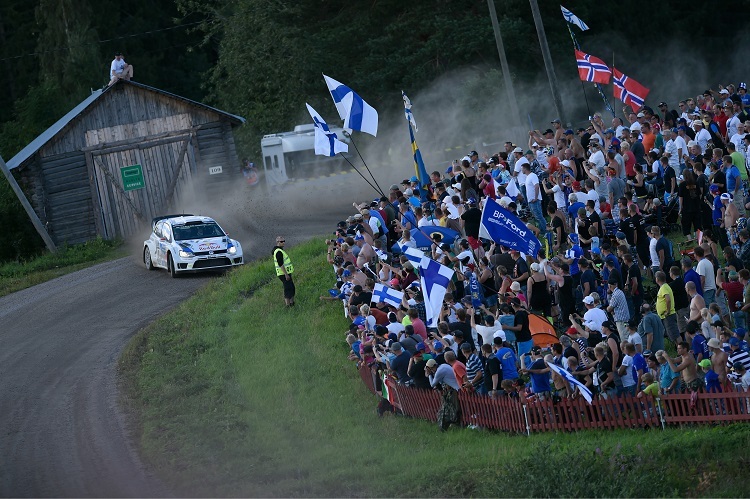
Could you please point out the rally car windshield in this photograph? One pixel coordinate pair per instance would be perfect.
(197, 231)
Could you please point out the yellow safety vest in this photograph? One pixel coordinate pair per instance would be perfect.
(287, 263)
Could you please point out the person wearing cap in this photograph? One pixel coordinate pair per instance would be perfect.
(691, 382)
(737, 354)
(702, 136)
(731, 213)
(698, 345)
(618, 307)
(711, 378)
(540, 374)
(517, 172)
(284, 270)
(443, 378)
(119, 69)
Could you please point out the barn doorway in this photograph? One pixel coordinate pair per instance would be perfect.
(135, 183)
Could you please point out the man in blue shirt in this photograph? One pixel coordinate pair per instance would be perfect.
(507, 358)
(575, 204)
(691, 275)
(572, 256)
(734, 183)
(400, 364)
(698, 344)
(539, 372)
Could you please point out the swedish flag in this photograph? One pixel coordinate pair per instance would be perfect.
(419, 168)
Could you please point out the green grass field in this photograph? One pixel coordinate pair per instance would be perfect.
(15, 276)
(235, 395)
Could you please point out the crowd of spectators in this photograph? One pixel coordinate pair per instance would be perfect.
(604, 200)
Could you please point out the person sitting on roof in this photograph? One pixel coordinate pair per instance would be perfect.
(119, 69)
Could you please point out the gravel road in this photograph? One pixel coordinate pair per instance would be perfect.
(63, 432)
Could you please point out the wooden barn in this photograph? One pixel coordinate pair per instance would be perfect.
(124, 155)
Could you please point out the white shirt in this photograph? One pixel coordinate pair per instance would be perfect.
(559, 196)
(424, 221)
(597, 159)
(453, 213)
(732, 125)
(627, 378)
(738, 142)
(488, 332)
(618, 131)
(702, 139)
(117, 67)
(594, 318)
(594, 196)
(671, 148)
(519, 173)
(652, 251)
(635, 339)
(706, 269)
(681, 146)
(532, 186)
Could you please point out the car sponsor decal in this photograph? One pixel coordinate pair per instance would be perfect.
(208, 246)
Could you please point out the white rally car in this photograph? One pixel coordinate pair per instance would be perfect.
(187, 243)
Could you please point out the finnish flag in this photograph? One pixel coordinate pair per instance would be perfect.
(585, 392)
(384, 294)
(573, 19)
(434, 279)
(408, 113)
(356, 113)
(414, 255)
(326, 142)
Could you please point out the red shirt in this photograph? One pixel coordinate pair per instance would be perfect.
(459, 370)
(734, 290)
(629, 163)
(419, 328)
(380, 316)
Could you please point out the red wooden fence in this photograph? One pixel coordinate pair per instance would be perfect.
(512, 415)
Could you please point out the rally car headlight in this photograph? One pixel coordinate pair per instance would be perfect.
(232, 250)
(185, 254)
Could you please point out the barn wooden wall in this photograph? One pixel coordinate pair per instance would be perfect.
(120, 127)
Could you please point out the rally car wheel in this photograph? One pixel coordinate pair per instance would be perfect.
(147, 258)
(170, 266)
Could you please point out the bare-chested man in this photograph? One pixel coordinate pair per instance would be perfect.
(690, 380)
(718, 360)
(731, 214)
(697, 303)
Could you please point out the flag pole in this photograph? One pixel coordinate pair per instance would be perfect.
(379, 189)
(557, 100)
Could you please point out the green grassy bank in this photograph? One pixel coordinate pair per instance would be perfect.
(236, 395)
(15, 276)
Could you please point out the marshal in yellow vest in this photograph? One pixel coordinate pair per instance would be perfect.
(287, 263)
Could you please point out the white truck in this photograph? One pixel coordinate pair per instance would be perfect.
(291, 155)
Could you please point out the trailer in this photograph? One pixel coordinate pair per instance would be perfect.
(289, 156)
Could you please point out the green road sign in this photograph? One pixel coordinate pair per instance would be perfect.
(132, 177)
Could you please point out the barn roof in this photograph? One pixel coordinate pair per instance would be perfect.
(39, 142)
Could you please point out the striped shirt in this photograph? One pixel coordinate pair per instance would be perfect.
(619, 304)
(740, 356)
(473, 366)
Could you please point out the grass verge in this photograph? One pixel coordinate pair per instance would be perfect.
(15, 276)
(236, 395)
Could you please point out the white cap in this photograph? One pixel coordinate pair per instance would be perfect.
(724, 91)
(518, 149)
(635, 127)
(588, 300)
(515, 286)
(692, 143)
(535, 267)
(641, 115)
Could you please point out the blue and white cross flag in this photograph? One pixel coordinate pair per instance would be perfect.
(326, 142)
(356, 113)
(382, 293)
(408, 113)
(505, 228)
(582, 388)
(573, 19)
(414, 255)
(434, 280)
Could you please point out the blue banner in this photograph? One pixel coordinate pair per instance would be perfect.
(477, 295)
(506, 229)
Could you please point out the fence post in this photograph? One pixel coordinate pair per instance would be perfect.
(526, 418)
(657, 400)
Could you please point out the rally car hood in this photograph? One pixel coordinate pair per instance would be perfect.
(208, 244)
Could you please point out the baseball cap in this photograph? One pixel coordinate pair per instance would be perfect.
(697, 122)
(573, 238)
(714, 188)
(609, 325)
(549, 130)
(588, 300)
(635, 127)
(662, 103)
(529, 152)
(408, 192)
(431, 363)
(346, 273)
(705, 364)
(395, 346)
(609, 130)
(723, 91)
(743, 85)
(640, 115)
(536, 350)
(571, 331)
(740, 331)
(473, 153)
(515, 286)
(414, 179)
(421, 347)
(437, 345)
(518, 149)
(557, 120)
(568, 132)
(726, 197)
(576, 184)
(358, 237)
(734, 342)
(620, 235)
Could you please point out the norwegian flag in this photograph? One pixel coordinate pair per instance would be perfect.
(591, 68)
(628, 90)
